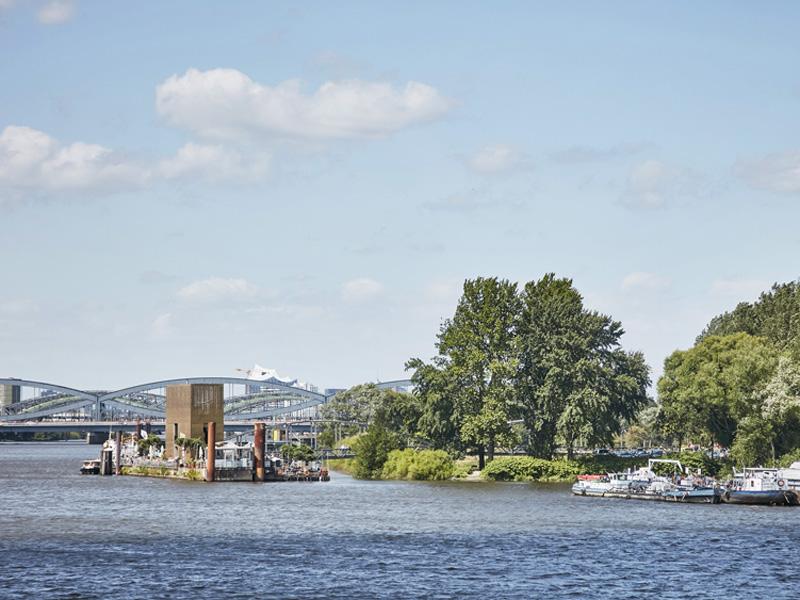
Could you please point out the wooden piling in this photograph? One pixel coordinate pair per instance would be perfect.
(212, 434)
(259, 451)
(118, 453)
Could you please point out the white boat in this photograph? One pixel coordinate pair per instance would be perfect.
(645, 484)
(760, 486)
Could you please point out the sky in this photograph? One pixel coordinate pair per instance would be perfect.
(189, 188)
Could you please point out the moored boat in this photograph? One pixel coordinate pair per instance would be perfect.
(91, 467)
(762, 487)
(645, 484)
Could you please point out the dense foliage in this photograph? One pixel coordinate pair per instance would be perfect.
(535, 355)
(775, 316)
(352, 411)
(299, 452)
(528, 468)
(426, 465)
(739, 385)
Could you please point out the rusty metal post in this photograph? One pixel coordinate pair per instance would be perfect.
(212, 434)
(118, 453)
(258, 451)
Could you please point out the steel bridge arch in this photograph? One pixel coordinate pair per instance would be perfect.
(223, 380)
(116, 399)
(49, 386)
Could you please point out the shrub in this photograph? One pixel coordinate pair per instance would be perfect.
(421, 465)
(527, 468)
(372, 449)
(194, 475)
(300, 452)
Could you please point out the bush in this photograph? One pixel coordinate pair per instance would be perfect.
(421, 465)
(371, 450)
(527, 468)
(300, 452)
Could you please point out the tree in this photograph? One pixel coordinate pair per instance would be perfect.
(474, 385)
(300, 452)
(774, 316)
(781, 405)
(707, 390)
(575, 382)
(355, 409)
(372, 449)
(754, 442)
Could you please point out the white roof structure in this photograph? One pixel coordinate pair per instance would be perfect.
(259, 373)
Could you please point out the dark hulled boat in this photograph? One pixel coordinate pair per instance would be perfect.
(761, 487)
(777, 497)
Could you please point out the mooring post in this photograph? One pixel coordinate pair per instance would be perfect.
(118, 453)
(258, 451)
(212, 434)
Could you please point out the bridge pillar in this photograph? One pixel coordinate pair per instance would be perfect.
(96, 437)
(189, 407)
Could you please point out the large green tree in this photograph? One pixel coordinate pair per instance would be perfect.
(539, 356)
(469, 388)
(706, 391)
(575, 382)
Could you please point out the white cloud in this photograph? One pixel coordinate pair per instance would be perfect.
(496, 158)
(642, 280)
(226, 103)
(361, 290)
(776, 172)
(32, 159)
(56, 12)
(217, 289)
(739, 289)
(6, 4)
(212, 163)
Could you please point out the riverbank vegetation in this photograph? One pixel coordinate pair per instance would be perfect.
(531, 370)
(527, 368)
(739, 385)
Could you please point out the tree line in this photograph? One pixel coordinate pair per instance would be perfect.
(739, 385)
(526, 366)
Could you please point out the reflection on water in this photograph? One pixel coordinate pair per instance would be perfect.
(70, 536)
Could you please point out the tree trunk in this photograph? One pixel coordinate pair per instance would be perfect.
(481, 459)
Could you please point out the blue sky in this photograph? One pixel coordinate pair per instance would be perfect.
(187, 188)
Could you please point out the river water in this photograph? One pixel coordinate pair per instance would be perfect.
(63, 535)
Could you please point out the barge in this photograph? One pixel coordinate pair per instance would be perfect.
(645, 484)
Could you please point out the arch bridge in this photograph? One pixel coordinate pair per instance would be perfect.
(245, 400)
